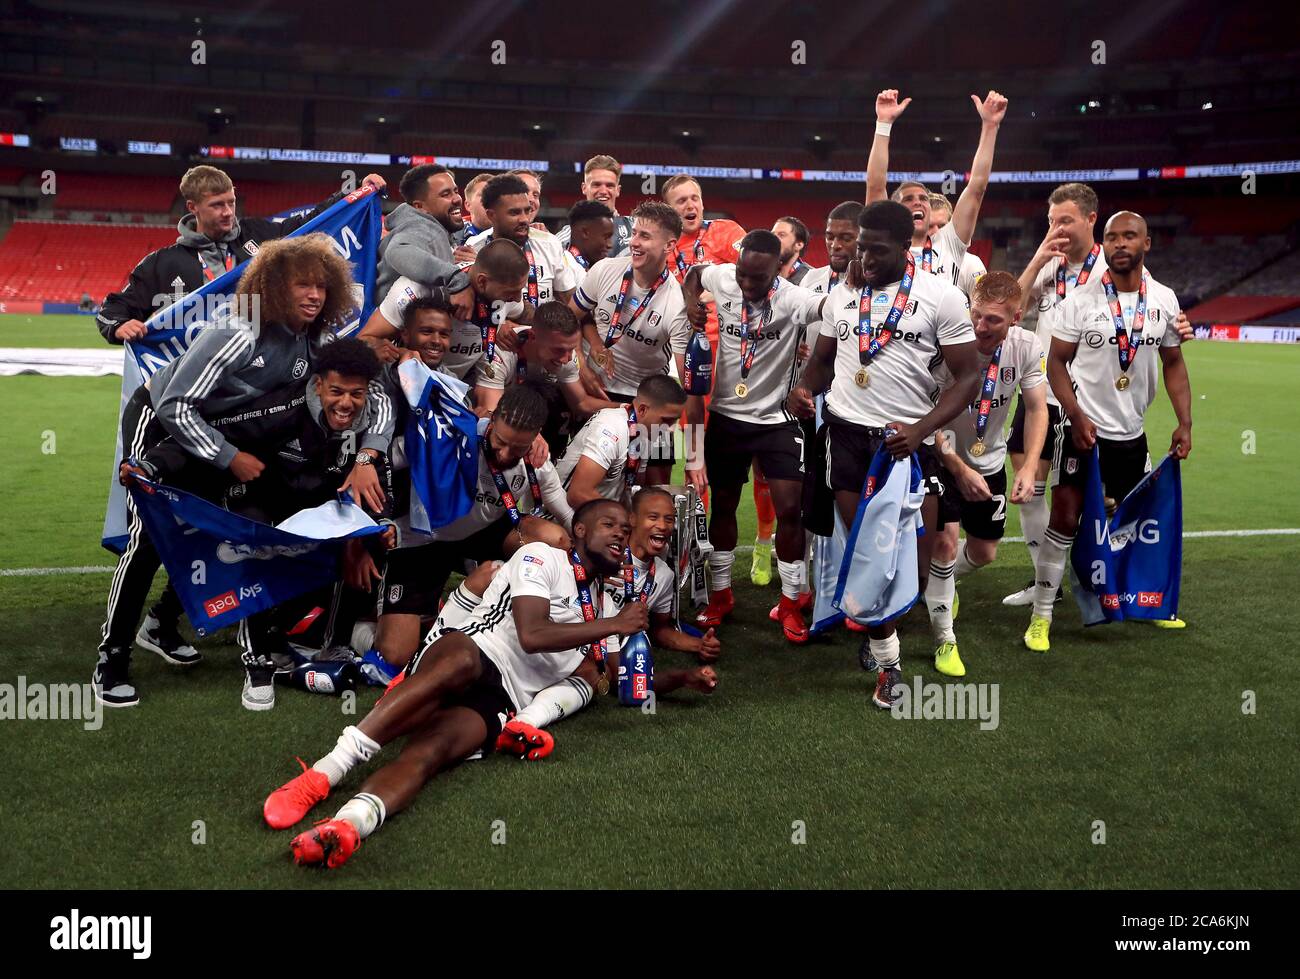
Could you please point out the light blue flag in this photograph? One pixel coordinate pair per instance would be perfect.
(353, 223)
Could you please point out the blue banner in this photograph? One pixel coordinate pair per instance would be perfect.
(441, 445)
(1130, 566)
(354, 224)
(226, 567)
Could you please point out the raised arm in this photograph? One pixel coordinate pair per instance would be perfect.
(964, 215)
(888, 109)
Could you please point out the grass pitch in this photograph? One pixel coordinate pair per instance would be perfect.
(1139, 728)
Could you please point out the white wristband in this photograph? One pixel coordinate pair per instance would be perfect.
(883, 128)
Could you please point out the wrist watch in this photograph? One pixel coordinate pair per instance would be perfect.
(364, 458)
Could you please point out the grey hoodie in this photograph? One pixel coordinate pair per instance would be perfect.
(212, 253)
(418, 247)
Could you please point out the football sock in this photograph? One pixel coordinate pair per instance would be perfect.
(1033, 521)
(763, 507)
(720, 563)
(365, 812)
(939, 592)
(885, 651)
(963, 565)
(1051, 568)
(794, 577)
(567, 697)
(353, 748)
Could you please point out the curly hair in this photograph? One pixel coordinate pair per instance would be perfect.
(279, 264)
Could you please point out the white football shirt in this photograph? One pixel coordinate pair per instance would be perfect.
(899, 376)
(819, 280)
(604, 439)
(1042, 297)
(535, 571)
(1020, 363)
(969, 272)
(661, 593)
(648, 345)
(946, 253)
(1085, 319)
(553, 272)
(488, 508)
(776, 361)
(505, 365)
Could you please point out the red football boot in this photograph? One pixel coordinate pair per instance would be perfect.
(720, 606)
(790, 615)
(330, 842)
(853, 626)
(526, 742)
(294, 799)
(805, 605)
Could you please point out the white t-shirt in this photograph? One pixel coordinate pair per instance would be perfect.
(661, 593)
(1042, 297)
(648, 345)
(819, 280)
(899, 376)
(1019, 364)
(554, 274)
(776, 361)
(466, 339)
(604, 439)
(946, 253)
(535, 571)
(972, 267)
(1085, 319)
(487, 507)
(505, 364)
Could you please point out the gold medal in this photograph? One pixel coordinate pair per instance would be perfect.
(490, 372)
(1122, 382)
(978, 449)
(742, 389)
(602, 684)
(862, 378)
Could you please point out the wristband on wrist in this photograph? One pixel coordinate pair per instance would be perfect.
(883, 128)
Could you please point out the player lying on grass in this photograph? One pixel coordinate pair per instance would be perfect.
(653, 516)
(534, 627)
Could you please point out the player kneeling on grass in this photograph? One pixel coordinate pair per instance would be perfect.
(973, 450)
(653, 516)
(531, 630)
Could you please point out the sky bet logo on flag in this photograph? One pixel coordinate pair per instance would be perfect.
(1130, 566)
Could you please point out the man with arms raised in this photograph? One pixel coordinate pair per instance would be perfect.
(536, 625)
(608, 454)
(600, 183)
(877, 343)
(941, 254)
(973, 451)
(972, 266)
(763, 321)
(1102, 368)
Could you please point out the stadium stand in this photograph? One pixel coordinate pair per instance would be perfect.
(46, 260)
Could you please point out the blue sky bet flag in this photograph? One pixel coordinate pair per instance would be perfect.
(226, 567)
(877, 578)
(354, 223)
(441, 444)
(1130, 566)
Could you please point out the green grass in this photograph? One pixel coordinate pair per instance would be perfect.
(1134, 726)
